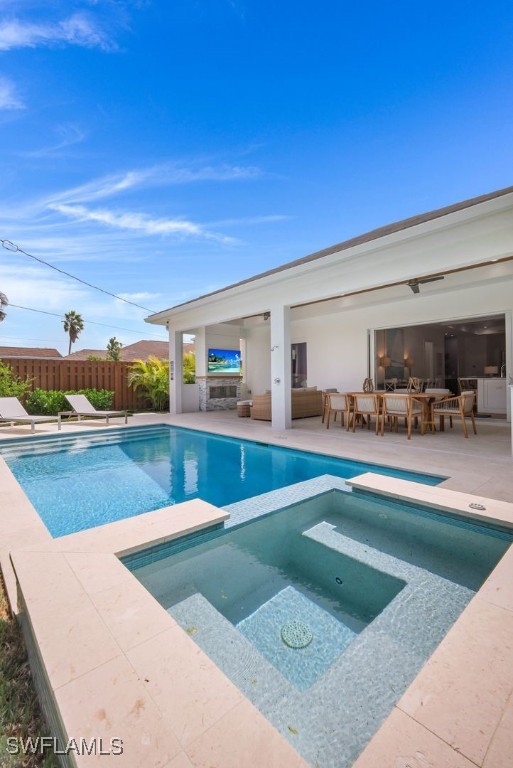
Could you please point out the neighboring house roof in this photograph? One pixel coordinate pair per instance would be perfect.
(374, 234)
(6, 352)
(84, 354)
(139, 350)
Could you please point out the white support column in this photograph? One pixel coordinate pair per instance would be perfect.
(175, 371)
(280, 367)
(508, 360)
(200, 344)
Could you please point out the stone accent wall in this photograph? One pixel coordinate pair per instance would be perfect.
(207, 403)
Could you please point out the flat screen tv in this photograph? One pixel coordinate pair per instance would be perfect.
(223, 361)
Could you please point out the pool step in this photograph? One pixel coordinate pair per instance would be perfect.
(57, 443)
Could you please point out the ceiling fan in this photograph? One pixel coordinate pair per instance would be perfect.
(418, 281)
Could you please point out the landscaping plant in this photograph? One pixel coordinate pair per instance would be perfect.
(189, 368)
(49, 402)
(10, 384)
(151, 378)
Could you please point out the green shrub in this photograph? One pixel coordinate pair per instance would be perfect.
(101, 399)
(49, 402)
(189, 368)
(46, 403)
(151, 378)
(10, 384)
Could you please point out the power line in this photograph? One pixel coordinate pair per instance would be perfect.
(10, 246)
(90, 322)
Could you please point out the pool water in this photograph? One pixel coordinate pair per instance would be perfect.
(264, 574)
(79, 482)
(371, 586)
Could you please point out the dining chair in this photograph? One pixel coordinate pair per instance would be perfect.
(436, 394)
(396, 406)
(467, 384)
(414, 384)
(338, 403)
(366, 406)
(325, 393)
(460, 406)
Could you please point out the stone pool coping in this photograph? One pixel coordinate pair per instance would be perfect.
(118, 664)
(458, 712)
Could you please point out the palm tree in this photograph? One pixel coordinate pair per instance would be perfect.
(3, 303)
(73, 325)
(152, 378)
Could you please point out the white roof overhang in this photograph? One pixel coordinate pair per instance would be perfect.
(480, 234)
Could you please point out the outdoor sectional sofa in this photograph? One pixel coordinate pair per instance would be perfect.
(305, 402)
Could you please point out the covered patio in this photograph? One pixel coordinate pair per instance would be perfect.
(333, 309)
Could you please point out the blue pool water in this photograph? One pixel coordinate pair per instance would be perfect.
(76, 483)
(375, 585)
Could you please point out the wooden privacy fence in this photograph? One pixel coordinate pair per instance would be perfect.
(79, 374)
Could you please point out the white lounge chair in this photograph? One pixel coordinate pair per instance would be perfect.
(82, 407)
(11, 410)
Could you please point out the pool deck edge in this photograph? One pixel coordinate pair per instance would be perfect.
(106, 645)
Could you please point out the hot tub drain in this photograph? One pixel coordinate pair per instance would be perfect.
(296, 634)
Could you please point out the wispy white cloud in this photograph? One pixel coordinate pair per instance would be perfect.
(140, 222)
(69, 135)
(9, 98)
(247, 221)
(25, 285)
(72, 203)
(107, 186)
(164, 174)
(35, 287)
(79, 29)
(140, 296)
(77, 225)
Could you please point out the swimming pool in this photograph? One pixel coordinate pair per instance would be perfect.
(372, 586)
(78, 482)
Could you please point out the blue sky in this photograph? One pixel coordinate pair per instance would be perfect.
(164, 148)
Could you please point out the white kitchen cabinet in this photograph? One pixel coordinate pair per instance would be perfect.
(491, 396)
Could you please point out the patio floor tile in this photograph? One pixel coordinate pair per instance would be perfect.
(110, 701)
(235, 740)
(202, 694)
(403, 743)
(462, 691)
